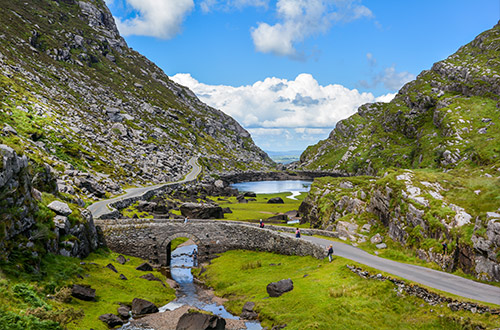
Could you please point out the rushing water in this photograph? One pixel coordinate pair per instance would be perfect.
(180, 270)
(271, 187)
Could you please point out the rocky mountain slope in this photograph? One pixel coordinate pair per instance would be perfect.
(447, 117)
(82, 116)
(433, 166)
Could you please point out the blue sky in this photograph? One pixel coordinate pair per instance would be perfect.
(288, 70)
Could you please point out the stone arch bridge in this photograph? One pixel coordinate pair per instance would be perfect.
(150, 238)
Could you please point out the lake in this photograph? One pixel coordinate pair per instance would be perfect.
(272, 187)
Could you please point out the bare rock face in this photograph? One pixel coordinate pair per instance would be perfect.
(276, 289)
(142, 307)
(201, 211)
(200, 321)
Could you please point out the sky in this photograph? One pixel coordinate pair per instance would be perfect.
(289, 70)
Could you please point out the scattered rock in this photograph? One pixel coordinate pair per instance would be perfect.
(275, 200)
(142, 307)
(276, 289)
(201, 211)
(60, 208)
(145, 267)
(124, 312)
(200, 321)
(83, 292)
(376, 239)
(247, 312)
(111, 320)
(110, 266)
(121, 260)
(151, 277)
(381, 246)
(123, 277)
(250, 194)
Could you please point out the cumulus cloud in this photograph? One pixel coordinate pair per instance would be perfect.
(155, 18)
(300, 19)
(212, 5)
(300, 111)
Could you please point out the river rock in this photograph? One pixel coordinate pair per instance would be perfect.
(276, 289)
(111, 320)
(145, 267)
(124, 312)
(247, 312)
(60, 208)
(275, 200)
(142, 307)
(201, 211)
(200, 321)
(83, 292)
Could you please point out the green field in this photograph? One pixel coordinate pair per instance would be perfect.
(326, 296)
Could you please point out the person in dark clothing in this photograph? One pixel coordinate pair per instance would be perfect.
(261, 223)
(445, 248)
(195, 258)
(330, 252)
(297, 233)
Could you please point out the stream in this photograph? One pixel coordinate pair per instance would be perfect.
(188, 292)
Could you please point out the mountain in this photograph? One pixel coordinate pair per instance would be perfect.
(424, 169)
(80, 99)
(82, 115)
(446, 118)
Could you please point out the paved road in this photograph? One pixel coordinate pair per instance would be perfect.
(429, 277)
(102, 207)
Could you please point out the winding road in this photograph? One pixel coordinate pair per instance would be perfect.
(103, 207)
(429, 277)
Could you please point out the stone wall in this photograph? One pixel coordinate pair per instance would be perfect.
(149, 239)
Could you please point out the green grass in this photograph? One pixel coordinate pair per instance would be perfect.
(23, 295)
(330, 296)
(260, 209)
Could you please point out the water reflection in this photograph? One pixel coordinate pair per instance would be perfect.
(272, 187)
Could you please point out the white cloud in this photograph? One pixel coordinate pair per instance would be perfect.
(155, 18)
(389, 77)
(300, 19)
(211, 5)
(275, 110)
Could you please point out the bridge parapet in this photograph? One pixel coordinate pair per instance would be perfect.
(150, 238)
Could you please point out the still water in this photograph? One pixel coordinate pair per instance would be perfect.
(272, 187)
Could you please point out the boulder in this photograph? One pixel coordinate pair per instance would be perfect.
(145, 267)
(376, 239)
(276, 289)
(201, 211)
(275, 200)
(124, 312)
(142, 307)
(381, 246)
(250, 194)
(60, 208)
(200, 321)
(83, 292)
(111, 320)
(61, 222)
(247, 312)
(121, 260)
(226, 210)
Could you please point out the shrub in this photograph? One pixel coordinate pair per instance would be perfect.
(29, 296)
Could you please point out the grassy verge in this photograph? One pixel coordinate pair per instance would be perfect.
(259, 209)
(41, 300)
(325, 295)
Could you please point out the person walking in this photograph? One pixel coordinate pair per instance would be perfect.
(261, 224)
(195, 258)
(297, 233)
(186, 219)
(445, 248)
(330, 252)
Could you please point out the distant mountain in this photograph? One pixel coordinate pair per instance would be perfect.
(284, 157)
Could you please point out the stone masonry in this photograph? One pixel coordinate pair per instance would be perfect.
(149, 239)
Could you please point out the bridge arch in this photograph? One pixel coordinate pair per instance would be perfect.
(166, 250)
